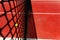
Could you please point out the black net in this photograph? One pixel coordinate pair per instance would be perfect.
(12, 19)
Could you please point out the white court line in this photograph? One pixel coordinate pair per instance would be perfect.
(1, 38)
(27, 39)
(48, 13)
(33, 13)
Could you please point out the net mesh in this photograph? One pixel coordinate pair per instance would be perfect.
(12, 14)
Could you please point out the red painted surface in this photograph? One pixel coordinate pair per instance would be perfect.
(41, 6)
(47, 25)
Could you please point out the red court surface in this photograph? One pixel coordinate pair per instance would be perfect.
(47, 18)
